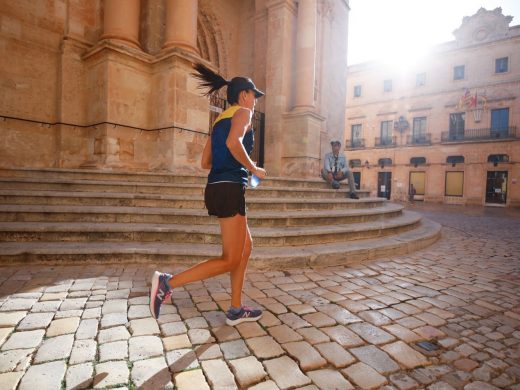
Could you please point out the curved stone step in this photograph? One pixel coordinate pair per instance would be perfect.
(147, 177)
(33, 184)
(67, 198)
(263, 257)
(104, 214)
(202, 234)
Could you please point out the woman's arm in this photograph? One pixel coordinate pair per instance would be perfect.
(239, 125)
(205, 162)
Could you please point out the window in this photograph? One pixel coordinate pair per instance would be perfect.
(415, 161)
(500, 120)
(417, 179)
(419, 127)
(455, 160)
(501, 65)
(454, 183)
(420, 79)
(387, 85)
(458, 72)
(498, 158)
(384, 162)
(356, 163)
(356, 132)
(357, 90)
(457, 123)
(386, 130)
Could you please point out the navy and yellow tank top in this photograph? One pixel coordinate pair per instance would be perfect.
(224, 167)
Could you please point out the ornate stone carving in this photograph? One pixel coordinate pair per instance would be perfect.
(484, 26)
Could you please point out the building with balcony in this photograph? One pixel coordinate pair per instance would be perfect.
(447, 124)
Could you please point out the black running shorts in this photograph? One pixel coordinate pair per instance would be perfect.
(225, 199)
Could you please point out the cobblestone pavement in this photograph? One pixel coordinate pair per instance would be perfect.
(334, 328)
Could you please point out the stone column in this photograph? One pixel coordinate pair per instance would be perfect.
(121, 21)
(181, 24)
(305, 55)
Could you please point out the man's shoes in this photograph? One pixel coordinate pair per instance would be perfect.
(243, 315)
(353, 195)
(159, 292)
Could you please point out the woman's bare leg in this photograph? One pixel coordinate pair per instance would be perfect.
(233, 231)
(238, 273)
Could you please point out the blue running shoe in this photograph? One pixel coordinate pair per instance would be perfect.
(159, 292)
(245, 314)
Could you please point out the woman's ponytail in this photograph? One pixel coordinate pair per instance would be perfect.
(208, 79)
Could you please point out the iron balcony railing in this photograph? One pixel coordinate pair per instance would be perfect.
(358, 143)
(479, 134)
(386, 141)
(419, 139)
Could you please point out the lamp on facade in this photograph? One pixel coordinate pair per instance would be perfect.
(477, 114)
(367, 164)
(401, 124)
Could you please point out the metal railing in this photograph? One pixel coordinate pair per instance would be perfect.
(357, 143)
(479, 134)
(386, 141)
(419, 139)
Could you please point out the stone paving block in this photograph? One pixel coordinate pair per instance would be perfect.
(403, 381)
(335, 354)
(110, 374)
(88, 329)
(83, 351)
(293, 320)
(63, 326)
(45, 307)
(375, 358)
(11, 318)
(267, 385)
(374, 317)
(24, 340)
(10, 380)
(151, 374)
(319, 320)
(197, 323)
(208, 351)
(343, 336)
(307, 357)
(91, 313)
(402, 333)
(218, 374)
(269, 319)
(250, 329)
(138, 311)
(15, 360)
(113, 334)
(115, 306)
(173, 328)
(176, 342)
(189, 380)
(286, 373)
(313, 335)
(113, 319)
(247, 371)
(117, 350)
(200, 336)
(264, 347)
(480, 386)
(406, 356)
(341, 315)
(371, 333)
(18, 304)
(182, 359)
(44, 376)
(79, 376)
(144, 347)
(54, 348)
(364, 376)
(144, 326)
(73, 304)
(4, 334)
(234, 349)
(284, 334)
(329, 379)
(226, 333)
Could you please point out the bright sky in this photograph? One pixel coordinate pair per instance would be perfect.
(380, 29)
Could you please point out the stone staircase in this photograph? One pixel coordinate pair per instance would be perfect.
(79, 216)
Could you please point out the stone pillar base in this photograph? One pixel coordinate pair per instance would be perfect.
(301, 144)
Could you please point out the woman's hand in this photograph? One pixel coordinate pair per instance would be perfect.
(259, 172)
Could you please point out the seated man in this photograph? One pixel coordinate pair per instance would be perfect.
(335, 169)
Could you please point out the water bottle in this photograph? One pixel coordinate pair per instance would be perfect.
(254, 181)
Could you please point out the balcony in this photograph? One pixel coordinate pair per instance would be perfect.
(469, 135)
(419, 139)
(386, 142)
(358, 143)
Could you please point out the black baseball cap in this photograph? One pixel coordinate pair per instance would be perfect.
(238, 84)
(335, 142)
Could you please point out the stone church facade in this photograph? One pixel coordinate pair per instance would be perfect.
(105, 84)
(447, 125)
